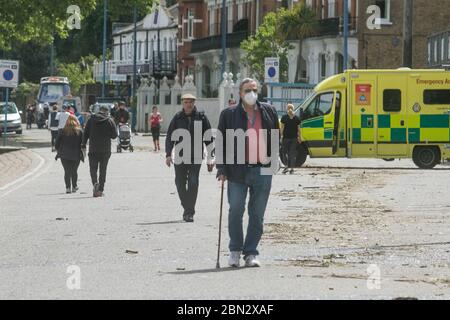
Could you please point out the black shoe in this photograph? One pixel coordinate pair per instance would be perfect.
(285, 170)
(189, 218)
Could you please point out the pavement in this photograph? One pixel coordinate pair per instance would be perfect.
(337, 229)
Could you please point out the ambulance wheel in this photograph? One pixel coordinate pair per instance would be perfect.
(119, 149)
(131, 149)
(302, 154)
(426, 157)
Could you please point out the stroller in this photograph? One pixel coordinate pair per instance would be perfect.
(124, 141)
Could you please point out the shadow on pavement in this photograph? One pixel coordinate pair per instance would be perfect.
(205, 271)
(159, 223)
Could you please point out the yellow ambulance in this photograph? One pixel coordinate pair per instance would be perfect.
(386, 114)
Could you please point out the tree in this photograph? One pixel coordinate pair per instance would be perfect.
(40, 21)
(297, 24)
(267, 42)
(78, 73)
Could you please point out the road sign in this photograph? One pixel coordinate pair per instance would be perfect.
(117, 77)
(9, 74)
(272, 70)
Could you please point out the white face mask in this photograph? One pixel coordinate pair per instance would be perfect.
(250, 98)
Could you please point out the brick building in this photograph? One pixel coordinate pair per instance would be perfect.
(383, 48)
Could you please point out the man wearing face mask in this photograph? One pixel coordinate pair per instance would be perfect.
(250, 115)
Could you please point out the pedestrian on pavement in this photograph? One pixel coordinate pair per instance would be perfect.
(187, 170)
(155, 127)
(249, 114)
(62, 116)
(290, 134)
(30, 116)
(68, 144)
(99, 131)
(53, 125)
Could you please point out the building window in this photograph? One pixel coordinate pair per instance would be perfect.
(448, 48)
(429, 51)
(190, 28)
(392, 100)
(323, 67)
(442, 49)
(385, 8)
(339, 63)
(436, 97)
(435, 51)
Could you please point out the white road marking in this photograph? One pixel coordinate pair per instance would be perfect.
(20, 182)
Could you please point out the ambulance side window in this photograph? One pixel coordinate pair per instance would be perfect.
(436, 97)
(320, 106)
(392, 100)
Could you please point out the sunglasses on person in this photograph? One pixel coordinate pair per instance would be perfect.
(251, 90)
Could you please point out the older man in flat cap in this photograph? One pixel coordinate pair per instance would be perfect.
(185, 137)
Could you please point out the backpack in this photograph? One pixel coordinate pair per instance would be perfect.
(53, 122)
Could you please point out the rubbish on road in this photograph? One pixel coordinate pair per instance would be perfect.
(181, 269)
(131, 252)
(61, 219)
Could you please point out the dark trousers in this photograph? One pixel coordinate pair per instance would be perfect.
(187, 182)
(290, 150)
(54, 135)
(99, 162)
(70, 172)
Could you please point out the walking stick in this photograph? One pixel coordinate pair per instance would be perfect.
(220, 227)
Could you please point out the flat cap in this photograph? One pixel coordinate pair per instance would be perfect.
(188, 96)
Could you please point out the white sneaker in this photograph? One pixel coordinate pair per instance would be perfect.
(234, 260)
(252, 262)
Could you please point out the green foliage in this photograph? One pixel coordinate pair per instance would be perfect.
(267, 42)
(25, 91)
(273, 35)
(40, 21)
(78, 73)
(298, 23)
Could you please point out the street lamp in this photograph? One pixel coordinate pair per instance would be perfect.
(105, 18)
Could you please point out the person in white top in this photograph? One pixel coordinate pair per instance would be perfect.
(62, 117)
(52, 124)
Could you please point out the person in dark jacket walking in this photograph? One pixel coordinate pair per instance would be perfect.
(68, 145)
(290, 133)
(250, 176)
(53, 125)
(187, 169)
(99, 130)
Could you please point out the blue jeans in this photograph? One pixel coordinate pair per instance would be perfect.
(259, 187)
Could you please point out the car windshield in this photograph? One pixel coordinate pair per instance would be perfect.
(51, 92)
(11, 108)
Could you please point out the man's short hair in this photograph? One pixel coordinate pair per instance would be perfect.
(245, 81)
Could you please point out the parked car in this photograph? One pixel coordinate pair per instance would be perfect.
(14, 118)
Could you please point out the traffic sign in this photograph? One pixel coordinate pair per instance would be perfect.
(9, 74)
(272, 70)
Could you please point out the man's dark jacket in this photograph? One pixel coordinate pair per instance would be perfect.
(181, 121)
(236, 118)
(100, 129)
(121, 116)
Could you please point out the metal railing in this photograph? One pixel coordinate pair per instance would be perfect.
(214, 42)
